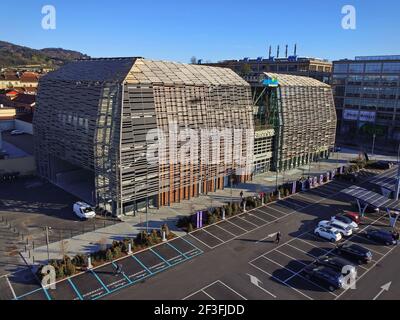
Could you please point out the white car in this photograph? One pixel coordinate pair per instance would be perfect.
(83, 210)
(16, 132)
(347, 221)
(343, 228)
(328, 233)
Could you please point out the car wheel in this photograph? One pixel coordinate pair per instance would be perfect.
(331, 288)
(387, 243)
(333, 240)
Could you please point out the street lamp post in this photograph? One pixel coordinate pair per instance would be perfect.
(47, 243)
(373, 143)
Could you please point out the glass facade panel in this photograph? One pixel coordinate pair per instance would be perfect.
(373, 67)
(356, 67)
(391, 67)
(340, 68)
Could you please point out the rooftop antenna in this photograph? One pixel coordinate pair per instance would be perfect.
(277, 52)
(270, 52)
(295, 49)
(286, 51)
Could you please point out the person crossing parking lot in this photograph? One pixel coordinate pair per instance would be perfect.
(278, 237)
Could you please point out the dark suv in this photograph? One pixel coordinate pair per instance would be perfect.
(337, 264)
(325, 276)
(382, 236)
(355, 252)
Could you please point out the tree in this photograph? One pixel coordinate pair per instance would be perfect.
(193, 60)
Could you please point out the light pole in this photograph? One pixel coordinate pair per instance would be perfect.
(396, 196)
(47, 243)
(373, 143)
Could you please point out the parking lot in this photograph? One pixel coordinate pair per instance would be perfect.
(99, 282)
(238, 259)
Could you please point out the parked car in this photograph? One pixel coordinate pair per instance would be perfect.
(346, 220)
(354, 216)
(338, 264)
(83, 210)
(328, 233)
(16, 132)
(325, 276)
(380, 165)
(350, 177)
(345, 229)
(355, 252)
(381, 236)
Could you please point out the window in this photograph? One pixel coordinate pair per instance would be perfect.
(373, 67)
(392, 67)
(356, 67)
(340, 68)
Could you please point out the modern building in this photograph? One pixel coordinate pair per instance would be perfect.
(252, 69)
(105, 130)
(367, 98)
(302, 113)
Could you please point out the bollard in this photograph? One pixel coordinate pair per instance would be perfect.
(129, 248)
(164, 238)
(90, 266)
(223, 214)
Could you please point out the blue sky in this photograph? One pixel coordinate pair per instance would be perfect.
(211, 30)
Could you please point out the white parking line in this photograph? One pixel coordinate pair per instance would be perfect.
(290, 257)
(281, 212)
(213, 235)
(270, 215)
(297, 274)
(248, 221)
(225, 230)
(261, 219)
(302, 196)
(11, 287)
(200, 241)
(372, 267)
(279, 280)
(237, 226)
(203, 290)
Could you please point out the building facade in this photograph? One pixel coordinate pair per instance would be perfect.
(302, 112)
(367, 98)
(252, 69)
(106, 130)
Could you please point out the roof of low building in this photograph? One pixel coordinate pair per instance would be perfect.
(144, 71)
(25, 98)
(286, 80)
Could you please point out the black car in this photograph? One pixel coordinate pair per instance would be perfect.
(381, 236)
(324, 276)
(351, 177)
(355, 252)
(382, 165)
(337, 264)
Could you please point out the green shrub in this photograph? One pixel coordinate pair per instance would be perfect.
(228, 210)
(116, 252)
(78, 260)
(69, 269)
(211, 219)
(109, 255)
(189, 227)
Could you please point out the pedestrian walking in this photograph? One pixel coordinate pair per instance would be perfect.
(241, 195)
(118, 269)
(278, 237)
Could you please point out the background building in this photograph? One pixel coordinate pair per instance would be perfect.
(301, 110)
(93, 116)
(252, 69)
(367, 99)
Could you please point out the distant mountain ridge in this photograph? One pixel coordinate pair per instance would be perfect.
(15, 55)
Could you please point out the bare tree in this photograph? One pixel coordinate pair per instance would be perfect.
(64, 249)
(193, 60)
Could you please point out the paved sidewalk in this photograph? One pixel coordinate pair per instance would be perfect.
(92, 241)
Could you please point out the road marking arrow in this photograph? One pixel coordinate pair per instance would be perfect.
(384, 288)
(257, 282)
(267, 237)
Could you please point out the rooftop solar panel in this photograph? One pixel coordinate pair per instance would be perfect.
(387, 180)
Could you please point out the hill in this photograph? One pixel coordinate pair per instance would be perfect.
(15, 55)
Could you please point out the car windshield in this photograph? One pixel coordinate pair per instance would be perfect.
(87, 210)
